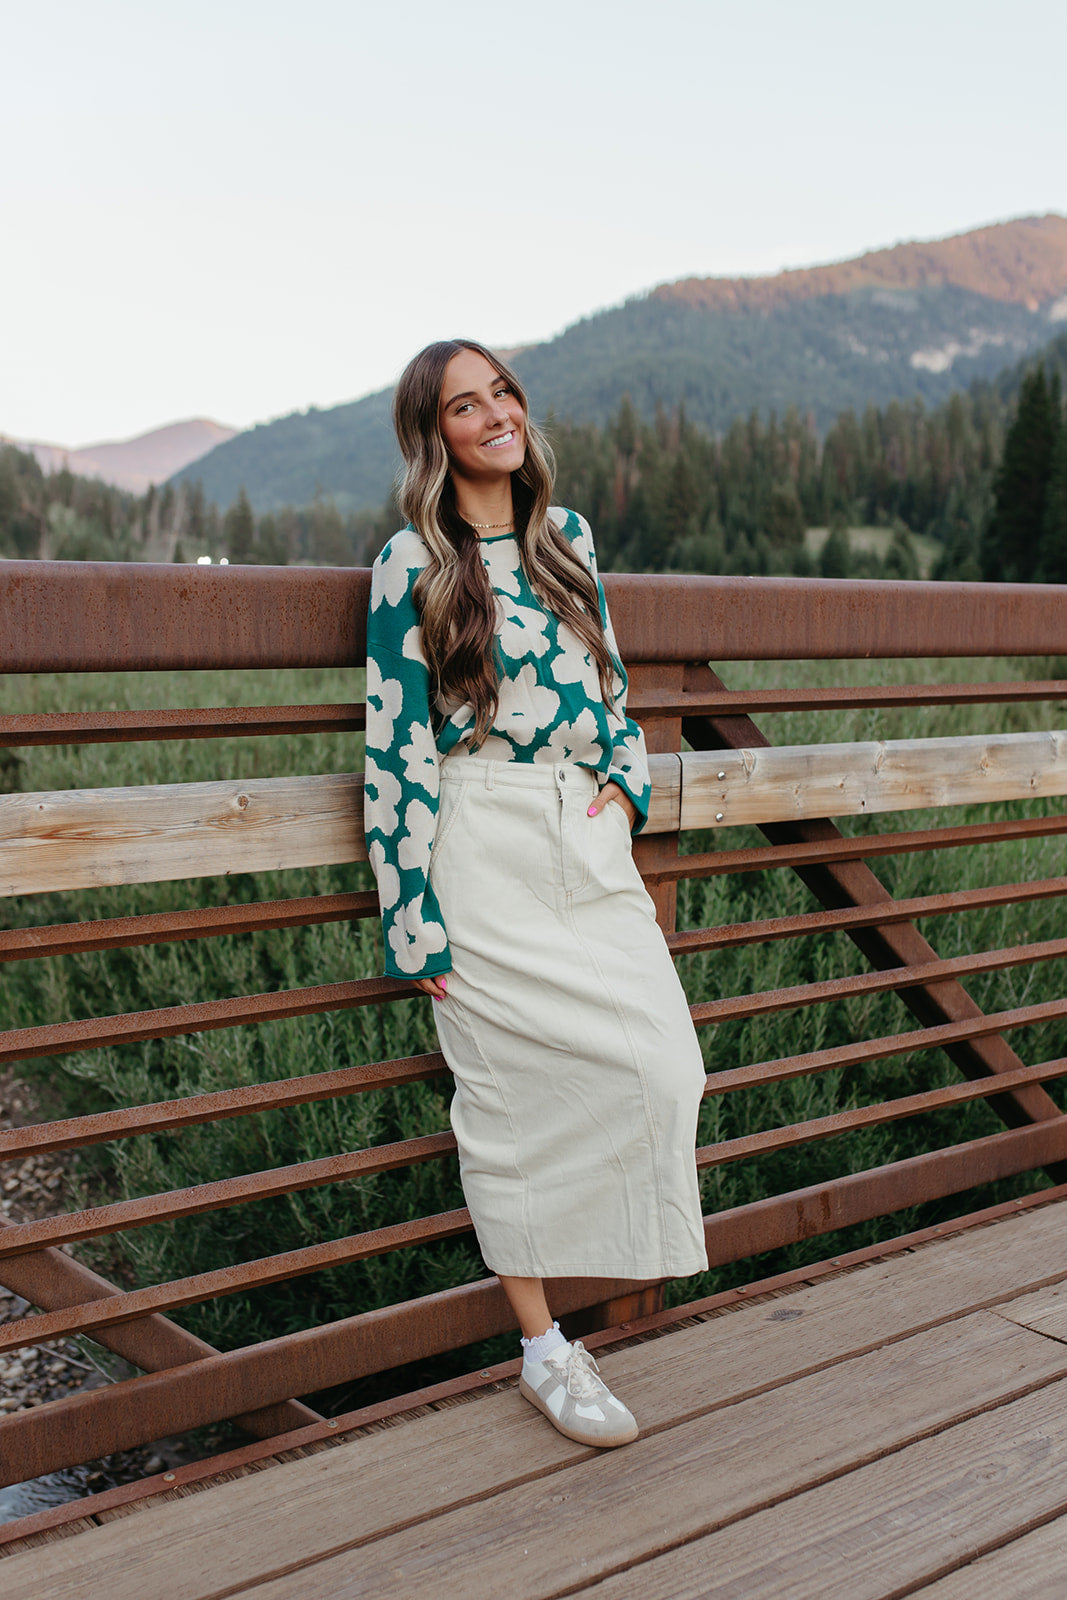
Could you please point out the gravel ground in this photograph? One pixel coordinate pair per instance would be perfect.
(39, 1373)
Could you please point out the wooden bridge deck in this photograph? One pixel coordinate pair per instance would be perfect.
(899, 1428)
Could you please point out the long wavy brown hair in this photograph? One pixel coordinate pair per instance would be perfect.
(456, 605)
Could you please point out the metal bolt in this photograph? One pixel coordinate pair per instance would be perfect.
(722, 774)
(332, 1422)
(718, 816)
(168, 1477)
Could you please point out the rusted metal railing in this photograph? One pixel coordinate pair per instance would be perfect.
(74, 617)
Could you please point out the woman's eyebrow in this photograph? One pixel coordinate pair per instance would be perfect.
(471, 394)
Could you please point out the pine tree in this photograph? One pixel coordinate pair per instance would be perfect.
(1052, 562)
(1012, 539)
(239, 529)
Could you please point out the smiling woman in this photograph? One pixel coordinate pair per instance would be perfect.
(503, 782)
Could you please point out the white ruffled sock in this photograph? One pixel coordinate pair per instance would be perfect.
(545, 1344)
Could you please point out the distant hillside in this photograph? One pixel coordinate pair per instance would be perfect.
(133, 464)
(920, 319)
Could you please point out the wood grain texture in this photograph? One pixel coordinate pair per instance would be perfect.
(795, 782)
(1031, 1568)
(607, 1514)
(881, 1530)
(85, 838)
(1045, 1312)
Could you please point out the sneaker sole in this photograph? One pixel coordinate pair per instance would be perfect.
(598, 1442)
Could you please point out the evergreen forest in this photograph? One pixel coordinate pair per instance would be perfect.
(982, 478)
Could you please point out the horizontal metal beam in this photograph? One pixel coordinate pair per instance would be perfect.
(164, 927)
(85, 616)
(122, 1416)
(212, 722)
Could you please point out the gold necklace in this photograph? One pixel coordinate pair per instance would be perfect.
(508, 524)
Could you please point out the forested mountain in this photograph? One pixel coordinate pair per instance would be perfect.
(920, 319)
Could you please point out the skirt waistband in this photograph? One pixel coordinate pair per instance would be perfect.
(528, 774)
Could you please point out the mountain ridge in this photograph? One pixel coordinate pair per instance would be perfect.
(133, 464)
(890, 325)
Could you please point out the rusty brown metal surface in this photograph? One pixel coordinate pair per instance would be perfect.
(161, 927)
(74, 616)
(21, 1237)
(766, 1001)
(38, 1441)
(951, 1037)
(96, 616)
(128, 1307)
(130, 727)
(682, 618)
(731, 702)
(824, 846)
(873, 1116)
(51, 1279)
(893, 944)
(735, 934)
(151, 1407)
(163, 1116)
(786, 1219)
(58, 1038)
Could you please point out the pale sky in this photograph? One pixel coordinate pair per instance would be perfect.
(239, 208)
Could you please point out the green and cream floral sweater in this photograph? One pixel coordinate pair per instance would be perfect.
(550, 710)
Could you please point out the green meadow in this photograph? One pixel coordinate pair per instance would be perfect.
(160, 975)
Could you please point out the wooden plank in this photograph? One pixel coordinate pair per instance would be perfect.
(665, 809)
(606, 1514)
(84, 838)
(1031, 1568)
(1044, 1312)
(787, 783)
(882, 1530)
(496, 1447)
(665, 1379)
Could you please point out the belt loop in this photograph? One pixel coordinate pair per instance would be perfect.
(490, 773)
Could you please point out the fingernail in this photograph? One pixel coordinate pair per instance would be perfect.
(444, 983)
(591, 812)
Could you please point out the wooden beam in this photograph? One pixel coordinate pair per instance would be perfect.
(84, 838)
(788, 783)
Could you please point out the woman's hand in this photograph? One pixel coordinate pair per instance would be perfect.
(612, 793)
(436, 988)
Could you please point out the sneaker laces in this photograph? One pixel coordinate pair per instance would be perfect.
(581, 1368)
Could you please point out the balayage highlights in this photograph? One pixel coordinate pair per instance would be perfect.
(456, 605)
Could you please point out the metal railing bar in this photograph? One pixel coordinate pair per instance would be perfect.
(159, 927)
(38, 1440)
(761, 1073)
(89, 1033)
(787, 1138)
(222, 1193)
(732, 935)
(209, 722)
(649, 703)
(168, 1116)
(880, 982)
(126, 1307)
(715, 863)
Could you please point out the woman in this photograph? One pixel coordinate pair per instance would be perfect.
(503, 782)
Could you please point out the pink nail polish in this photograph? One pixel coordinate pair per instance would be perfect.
(591, 812)
(444, 983)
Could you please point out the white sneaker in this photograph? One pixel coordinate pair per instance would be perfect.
(575, 1400)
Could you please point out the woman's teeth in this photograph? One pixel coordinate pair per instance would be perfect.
(504, 438)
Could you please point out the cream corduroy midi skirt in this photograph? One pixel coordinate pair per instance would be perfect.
(578, 1073)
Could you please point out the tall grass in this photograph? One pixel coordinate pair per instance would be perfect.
(107, 982)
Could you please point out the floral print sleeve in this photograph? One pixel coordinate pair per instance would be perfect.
(402, 780)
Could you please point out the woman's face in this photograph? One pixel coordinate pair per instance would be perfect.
(482, 421)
